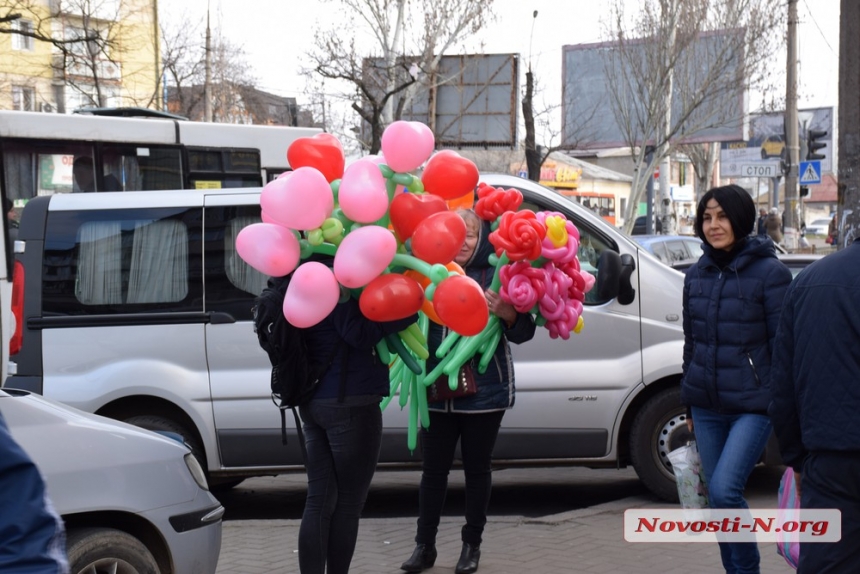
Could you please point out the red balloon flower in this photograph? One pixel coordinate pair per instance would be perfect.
(519, 234)
(492, 201)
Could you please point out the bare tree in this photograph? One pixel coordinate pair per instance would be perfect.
(409, 38)
(91, 40)
(676, 69)
(541, 120)
(703, 158)
(183, 59)
(182, 54)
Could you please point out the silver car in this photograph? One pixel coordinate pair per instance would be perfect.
(132, 501)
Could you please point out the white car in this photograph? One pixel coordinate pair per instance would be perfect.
(818, 227)
(132, 501)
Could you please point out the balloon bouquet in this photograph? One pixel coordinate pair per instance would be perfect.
(365, 215)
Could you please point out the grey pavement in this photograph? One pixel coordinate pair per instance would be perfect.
(590, 540)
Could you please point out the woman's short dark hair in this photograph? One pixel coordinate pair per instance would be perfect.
(738, 206)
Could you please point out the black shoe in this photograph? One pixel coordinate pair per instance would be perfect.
(469, 558)
(423, 557)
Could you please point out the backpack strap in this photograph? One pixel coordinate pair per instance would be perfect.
(299, 431)
(342, 390)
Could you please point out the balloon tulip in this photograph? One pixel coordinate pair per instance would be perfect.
(390, 297)
(322, 151)
(312, 294)
(270, 249)
(363, 255)
(438, 238)
(407, 145)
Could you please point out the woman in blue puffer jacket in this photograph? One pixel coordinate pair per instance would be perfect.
(472, 420)
(732, 302)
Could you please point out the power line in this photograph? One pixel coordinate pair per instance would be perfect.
(820, 31)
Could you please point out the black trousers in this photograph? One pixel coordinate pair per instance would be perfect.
(477, 435)
(832, 480)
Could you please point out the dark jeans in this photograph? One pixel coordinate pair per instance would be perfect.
(730, 446)
(342, 441)
(477, 435)
(832, 480)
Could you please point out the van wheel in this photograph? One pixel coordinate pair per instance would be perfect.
(167, 426)
(660, 427)
(108, 551)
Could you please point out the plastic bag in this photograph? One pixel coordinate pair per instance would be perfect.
(787, 544)
(687, 465)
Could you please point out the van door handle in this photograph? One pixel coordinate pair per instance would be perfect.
(220, 318)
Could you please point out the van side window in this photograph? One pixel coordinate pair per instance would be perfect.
(122, 261)
(157, 265)
(231, 284)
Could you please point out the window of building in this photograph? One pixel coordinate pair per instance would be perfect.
(20, 41)
(23, 99)
(82, 95)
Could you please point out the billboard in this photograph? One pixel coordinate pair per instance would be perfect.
(766, 144)
(475, 99)
(594, 75)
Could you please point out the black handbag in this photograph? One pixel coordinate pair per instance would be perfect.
(466, 386)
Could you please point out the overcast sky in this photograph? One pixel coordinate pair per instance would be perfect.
(274, 33)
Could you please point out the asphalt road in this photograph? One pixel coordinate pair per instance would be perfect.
(529, 492)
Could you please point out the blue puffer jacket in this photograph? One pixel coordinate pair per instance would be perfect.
(32, 536)
(816, 390)
(730, 320)
(496, 389)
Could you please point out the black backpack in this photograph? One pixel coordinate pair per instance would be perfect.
(294, 377)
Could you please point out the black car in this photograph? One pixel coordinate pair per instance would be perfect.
(639, 226)
(796, 262)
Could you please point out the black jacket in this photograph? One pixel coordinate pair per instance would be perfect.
(816, 374)
(355, 337)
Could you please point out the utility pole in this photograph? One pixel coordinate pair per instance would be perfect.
(670, 25)
(848, 210)
(207, 85)
(789, 214)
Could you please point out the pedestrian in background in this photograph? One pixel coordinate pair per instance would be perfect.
(732, 300)
(761, 229)
(833, 232)
(342, 426)
(473, 421)
(773, 225)
(816, 398)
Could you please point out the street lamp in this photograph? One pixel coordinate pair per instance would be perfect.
(531, 35)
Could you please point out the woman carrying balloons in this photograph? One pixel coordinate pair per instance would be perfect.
(732, 302)
(472, 420)
(343, 432)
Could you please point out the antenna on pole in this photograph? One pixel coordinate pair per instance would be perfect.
(207, 85)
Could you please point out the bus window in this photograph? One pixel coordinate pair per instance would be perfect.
(224, 167)
(139, 167)
(33, 169)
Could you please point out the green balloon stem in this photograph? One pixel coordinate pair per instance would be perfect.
(497, 282)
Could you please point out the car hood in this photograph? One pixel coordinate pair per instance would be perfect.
(93, 463)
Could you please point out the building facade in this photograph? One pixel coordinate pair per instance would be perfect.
(84, 54)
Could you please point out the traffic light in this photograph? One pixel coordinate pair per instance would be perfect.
(804, 191)
(813, 144)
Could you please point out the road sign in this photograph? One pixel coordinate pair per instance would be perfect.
(810, 172)
(761, 169)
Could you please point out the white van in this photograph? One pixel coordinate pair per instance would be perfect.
(136, 306)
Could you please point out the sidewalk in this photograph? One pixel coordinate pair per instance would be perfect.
(590, 540)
